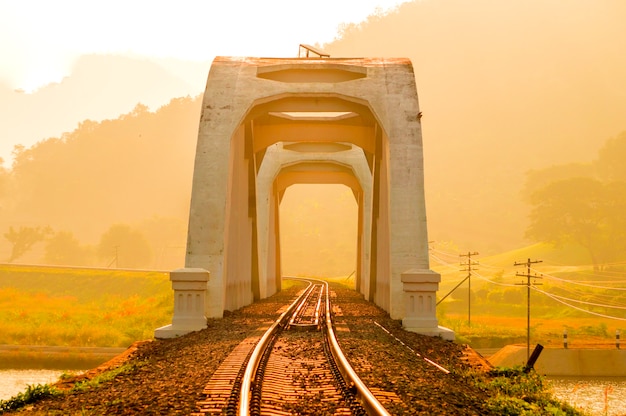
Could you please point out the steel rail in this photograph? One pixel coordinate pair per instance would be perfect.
(302, 318)
(317, 308)
(364, 396)
(257, 353)
(371, 405)
(304, 300)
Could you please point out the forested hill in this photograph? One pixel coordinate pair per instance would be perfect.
(134, 170)
(99, 87)
(504, 87)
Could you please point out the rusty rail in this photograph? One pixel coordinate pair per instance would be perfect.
(364, 395)
(362, 398)
(257, 354)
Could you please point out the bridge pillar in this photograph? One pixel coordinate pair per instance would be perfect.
(190, 286)
(420, 288)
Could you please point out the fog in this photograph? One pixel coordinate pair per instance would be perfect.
(504, 88)
(318, 234)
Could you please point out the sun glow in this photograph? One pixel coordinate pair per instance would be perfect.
(40, 44)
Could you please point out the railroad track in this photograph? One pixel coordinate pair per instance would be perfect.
(296, 367)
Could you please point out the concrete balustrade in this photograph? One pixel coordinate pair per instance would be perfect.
(420, 297)
(190, 287)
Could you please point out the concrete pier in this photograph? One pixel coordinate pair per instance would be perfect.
(190, 286)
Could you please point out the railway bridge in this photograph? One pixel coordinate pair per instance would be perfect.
(269, 123)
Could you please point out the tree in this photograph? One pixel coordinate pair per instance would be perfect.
(583, 211)
(5, 178)
(64, 249)
(168, 238)
(539, 178)
(610, 163)
(112, 171)
(24, 238)
(123, 246)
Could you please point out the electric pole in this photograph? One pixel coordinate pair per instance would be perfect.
(527, 284)
(468, 269)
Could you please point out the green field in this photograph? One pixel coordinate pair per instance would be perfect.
(81, 307)
(62, 306)
(495, 313)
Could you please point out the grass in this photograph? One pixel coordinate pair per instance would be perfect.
(35, 393)
(113, 308)
(499, 299)
(573, 255)
(489, 331)
(32, 394)
(515, 392)
(106, 376)
(81, 307)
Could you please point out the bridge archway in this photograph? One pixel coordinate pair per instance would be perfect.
(267, 123)
(318, 232)
(343, 169)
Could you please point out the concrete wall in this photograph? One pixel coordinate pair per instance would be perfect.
(238, 276)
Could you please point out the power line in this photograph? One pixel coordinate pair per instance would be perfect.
(493, 281)
(607, 299)
(585, 302)
(583, 284)
(443, 262)
(444, 253)
(577, 308)
(558, 298)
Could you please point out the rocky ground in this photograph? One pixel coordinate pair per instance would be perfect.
(168, 376)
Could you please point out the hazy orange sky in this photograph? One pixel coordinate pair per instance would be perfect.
(39, 40)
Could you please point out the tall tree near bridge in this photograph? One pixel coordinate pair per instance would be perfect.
(582, 203)
(584, 211)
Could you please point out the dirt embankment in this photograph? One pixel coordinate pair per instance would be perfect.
(168, 376)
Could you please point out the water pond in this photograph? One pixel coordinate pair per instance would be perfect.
(596, 396)
(13, 382)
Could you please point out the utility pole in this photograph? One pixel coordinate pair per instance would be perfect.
(115, 259)
(527, 284)
(468, 269)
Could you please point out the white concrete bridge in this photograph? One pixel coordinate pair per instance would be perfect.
(269, 123)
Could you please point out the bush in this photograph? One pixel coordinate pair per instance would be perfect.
(31, 395)
(515, 392)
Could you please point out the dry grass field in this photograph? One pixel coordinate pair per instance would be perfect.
(81, 307)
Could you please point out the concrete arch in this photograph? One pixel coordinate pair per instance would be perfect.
(253, 125)
(271, 123)
(350, 169)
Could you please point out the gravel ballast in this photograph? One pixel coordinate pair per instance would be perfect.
(163, 377)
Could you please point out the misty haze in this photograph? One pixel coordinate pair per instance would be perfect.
(523, 108)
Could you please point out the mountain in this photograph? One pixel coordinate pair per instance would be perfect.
(99, 87)
(135, 169)
(504, 87)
